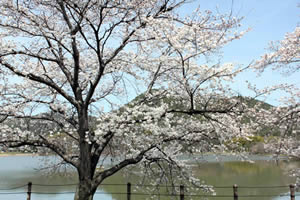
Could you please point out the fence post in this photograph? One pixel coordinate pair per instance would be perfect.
(292, 191)
(181, 192)
(128, 191)
(29, 191)
(235, 192)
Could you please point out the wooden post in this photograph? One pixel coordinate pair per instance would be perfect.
(292, 191)
(181, 192)
(29, 191)
(128, 191)
(235, 192)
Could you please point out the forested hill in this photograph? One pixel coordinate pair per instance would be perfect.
(36, 125)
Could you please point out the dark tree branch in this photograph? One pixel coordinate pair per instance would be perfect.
(42, 80)
(43, 142)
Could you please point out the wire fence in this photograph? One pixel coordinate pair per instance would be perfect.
(180, 191)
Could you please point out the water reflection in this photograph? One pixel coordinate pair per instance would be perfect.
(250, 178)
(17, 171)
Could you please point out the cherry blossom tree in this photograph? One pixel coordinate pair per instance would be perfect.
(65, 63)
(284, 56)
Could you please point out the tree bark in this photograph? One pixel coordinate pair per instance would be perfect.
(85, 189)
(84, 192)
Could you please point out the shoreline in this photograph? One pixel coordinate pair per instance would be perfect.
(210, 157)
(16, 154)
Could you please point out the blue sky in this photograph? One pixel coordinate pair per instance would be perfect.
(269, 20)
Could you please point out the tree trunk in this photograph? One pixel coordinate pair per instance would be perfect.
(84, 192)
(85, 189)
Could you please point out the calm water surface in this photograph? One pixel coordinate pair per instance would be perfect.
(17, 171)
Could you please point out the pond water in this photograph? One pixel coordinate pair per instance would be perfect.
(251, 178)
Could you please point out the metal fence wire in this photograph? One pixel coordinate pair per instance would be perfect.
(180, 191)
